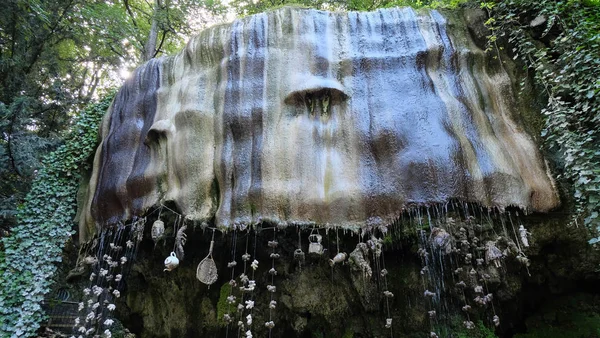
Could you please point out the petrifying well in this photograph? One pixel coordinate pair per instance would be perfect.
(304, 116)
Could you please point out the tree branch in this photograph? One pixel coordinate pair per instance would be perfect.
(126, 3)
(42, 41)
(162, 40)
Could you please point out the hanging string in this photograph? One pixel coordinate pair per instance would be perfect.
(105, 281)
(230, 299)
(387, 299)
(514, 232)
(245, 258)
(272, 272)
(298, 253)
(466, 307)
(337, 242)
(517, 240)
(254, 266)
(427, 271)
(337, 239)
(487, 290)
(175, 229)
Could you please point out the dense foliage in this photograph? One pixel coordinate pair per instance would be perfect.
(45, 223)
(248, 7)
(559, 42)
(57, 55)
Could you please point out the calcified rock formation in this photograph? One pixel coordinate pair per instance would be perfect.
(307, 116)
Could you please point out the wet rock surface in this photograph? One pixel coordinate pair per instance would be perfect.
(310, 117)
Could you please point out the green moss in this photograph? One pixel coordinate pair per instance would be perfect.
(348, 334)
(222, 306)
(387, 240)
(458, 330)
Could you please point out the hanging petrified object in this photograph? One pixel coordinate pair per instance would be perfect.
(315, 246)
(492, 253)
(376, 245)
(359, 260)
(171, 262)
(484, 300)
(90, 260)
(114, 247)
(469, 324)
(158, 230)
(496, 320)
(138, 229)
(299, 255)
(227, 318)
(180, 240)
(339, 258)
(523, 259)
(207, 269)
(523, 234)
(441, 240)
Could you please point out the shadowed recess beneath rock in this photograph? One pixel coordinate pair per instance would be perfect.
(310, 117)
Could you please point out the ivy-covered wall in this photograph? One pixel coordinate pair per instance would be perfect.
(28, 257)
(559, 44)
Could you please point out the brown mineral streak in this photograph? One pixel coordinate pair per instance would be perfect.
(304, 116)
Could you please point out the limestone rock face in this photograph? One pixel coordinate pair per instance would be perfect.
(304, 116)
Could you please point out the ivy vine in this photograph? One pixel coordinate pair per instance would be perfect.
(559, 42)
(35, 245)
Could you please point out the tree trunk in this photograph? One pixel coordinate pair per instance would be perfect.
(150, 48)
